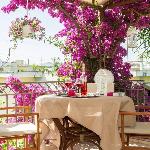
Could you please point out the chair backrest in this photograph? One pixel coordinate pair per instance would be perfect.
(143, 108)
(16, 124)
(123, 114)
(15, 114)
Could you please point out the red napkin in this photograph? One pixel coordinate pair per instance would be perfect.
(71, 92)
(110, 94)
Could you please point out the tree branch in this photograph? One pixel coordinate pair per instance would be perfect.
(77, 25)
(112, 4)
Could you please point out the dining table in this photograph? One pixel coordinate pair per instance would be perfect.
(100, 114)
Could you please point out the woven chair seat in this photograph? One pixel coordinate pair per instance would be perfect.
(139, 128)
(14, 129)
(19, 123)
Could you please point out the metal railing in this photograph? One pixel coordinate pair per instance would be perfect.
(134, 89)
(8, 97)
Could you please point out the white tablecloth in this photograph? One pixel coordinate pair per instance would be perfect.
(99, 114)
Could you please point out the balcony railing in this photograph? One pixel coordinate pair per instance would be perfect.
(134, 89)
(8, 97)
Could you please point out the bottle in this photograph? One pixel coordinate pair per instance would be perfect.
(83, 79)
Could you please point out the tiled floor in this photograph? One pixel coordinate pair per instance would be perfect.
(76, 147)
(137, 141)
(133, 142)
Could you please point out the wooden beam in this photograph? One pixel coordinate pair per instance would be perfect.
(142, 14)
(116, 4)
(93, 1)
(111, 4)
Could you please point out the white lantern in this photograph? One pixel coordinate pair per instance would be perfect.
(27, 30)
(132, 37)
(104, 80)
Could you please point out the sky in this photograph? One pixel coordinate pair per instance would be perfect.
(36, 51)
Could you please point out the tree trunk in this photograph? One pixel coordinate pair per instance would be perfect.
(92, 65)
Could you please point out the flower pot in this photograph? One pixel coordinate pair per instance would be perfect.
(27, 30)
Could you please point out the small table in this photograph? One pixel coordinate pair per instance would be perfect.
(99, 114)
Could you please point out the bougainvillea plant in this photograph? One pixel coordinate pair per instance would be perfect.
(67, 70)
(25, 95)
(91, 33)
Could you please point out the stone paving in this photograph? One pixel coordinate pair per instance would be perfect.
(135, 141)
(138, 141)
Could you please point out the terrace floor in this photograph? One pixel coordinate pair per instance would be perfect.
(7, 99)
(133, 142)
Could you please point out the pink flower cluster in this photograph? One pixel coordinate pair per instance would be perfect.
(69, 70)
(25, 95)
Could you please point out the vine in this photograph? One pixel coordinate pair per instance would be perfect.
(144, 36)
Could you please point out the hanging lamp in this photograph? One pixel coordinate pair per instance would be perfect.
(132, 37)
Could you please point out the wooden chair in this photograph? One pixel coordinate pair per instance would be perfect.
(72, 133)
(141, 129)
(18, 123)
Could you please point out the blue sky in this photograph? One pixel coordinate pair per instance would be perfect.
(35, 51)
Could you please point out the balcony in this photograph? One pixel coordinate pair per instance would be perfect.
(11, 97)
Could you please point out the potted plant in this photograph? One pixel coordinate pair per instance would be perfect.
(26, 28)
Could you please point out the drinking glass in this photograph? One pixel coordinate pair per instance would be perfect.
(68, 84)
(78, 84)
(84, 89)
